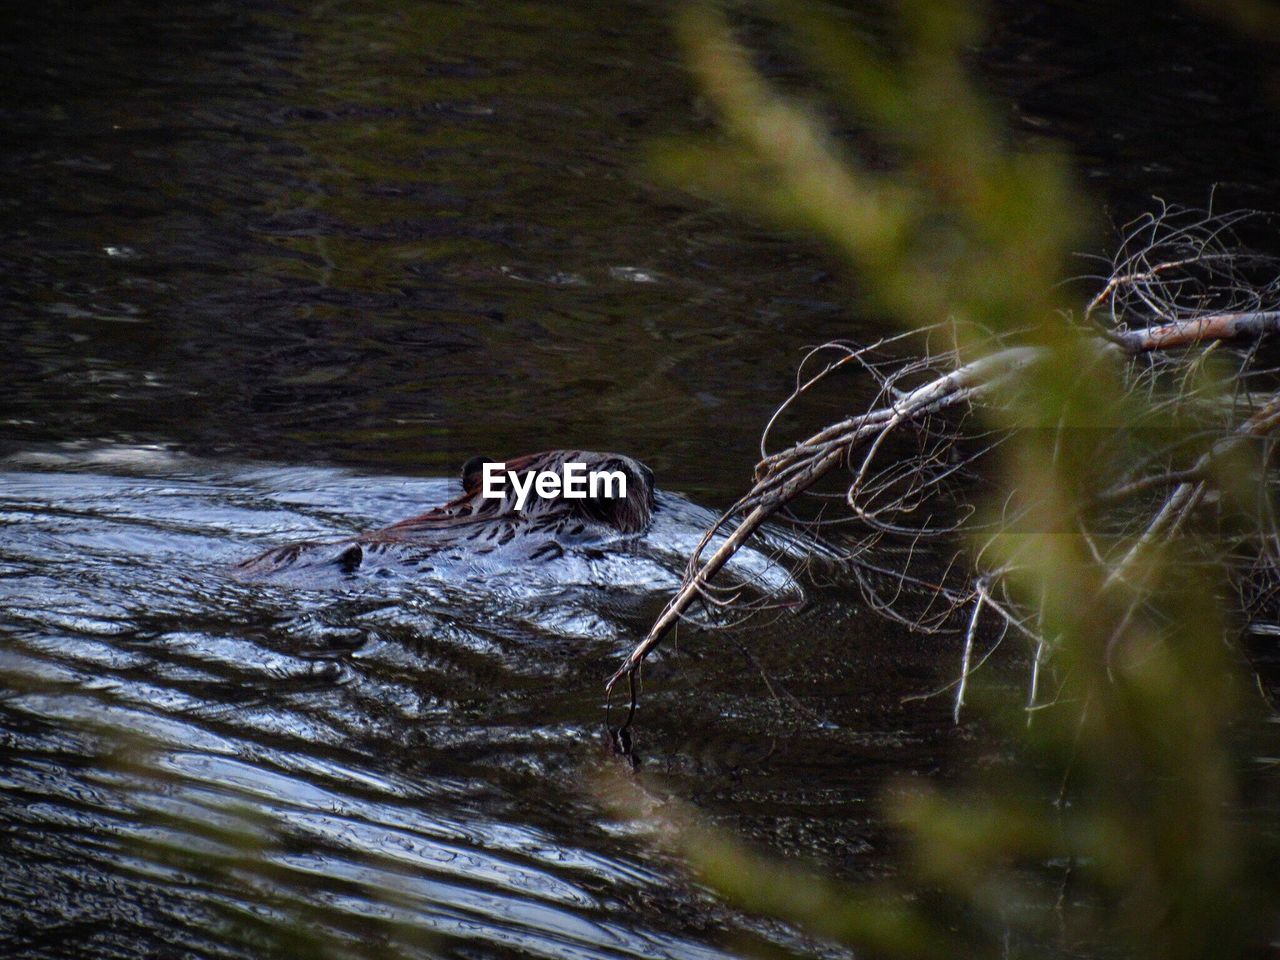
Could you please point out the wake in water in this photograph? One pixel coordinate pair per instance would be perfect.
(407, 728)
(152, 518)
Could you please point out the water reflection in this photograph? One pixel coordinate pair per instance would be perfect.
(395, 234)
(414, 735)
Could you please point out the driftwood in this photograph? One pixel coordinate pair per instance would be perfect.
(1220, 326)
(785, 476)
(1180, 287)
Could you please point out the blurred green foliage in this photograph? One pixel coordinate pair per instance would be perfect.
(1118, 828)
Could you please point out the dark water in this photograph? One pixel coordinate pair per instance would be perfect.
(422, 735)
(243, 245)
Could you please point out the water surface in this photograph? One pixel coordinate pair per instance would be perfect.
(274, 270)
(426, 736)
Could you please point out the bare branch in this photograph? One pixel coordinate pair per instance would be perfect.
(1182, 290)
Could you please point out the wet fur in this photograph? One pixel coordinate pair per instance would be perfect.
(479, 525)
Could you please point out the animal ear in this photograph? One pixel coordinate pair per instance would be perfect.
(472, 473)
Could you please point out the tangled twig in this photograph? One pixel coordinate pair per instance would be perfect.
(1180, 287)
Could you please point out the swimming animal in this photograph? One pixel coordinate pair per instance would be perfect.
(522, 522)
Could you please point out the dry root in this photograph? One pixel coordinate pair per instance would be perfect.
(1180, 289)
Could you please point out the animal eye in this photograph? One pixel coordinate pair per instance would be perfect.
(472, 471)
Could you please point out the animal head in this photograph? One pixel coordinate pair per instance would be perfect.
(606, 503)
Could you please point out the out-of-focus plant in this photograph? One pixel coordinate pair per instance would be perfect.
(1119, 825)
(1259, 19)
